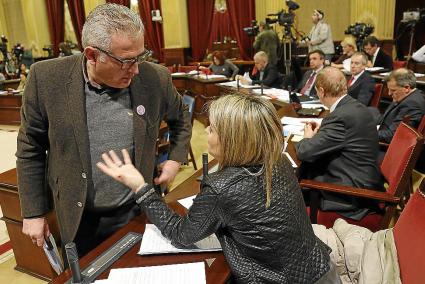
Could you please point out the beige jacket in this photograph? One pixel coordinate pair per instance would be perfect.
(321, 38)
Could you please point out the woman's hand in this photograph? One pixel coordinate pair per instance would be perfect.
(125, 172)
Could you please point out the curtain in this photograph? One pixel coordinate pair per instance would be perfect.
(220, 27)
(121, 2)
(55, 15)
(241, 13)
(154, 36)
(200, 14)
(78, 17)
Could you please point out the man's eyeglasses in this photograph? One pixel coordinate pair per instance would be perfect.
(128, 63)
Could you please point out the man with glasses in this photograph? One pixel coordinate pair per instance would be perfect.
(77, 107)
(378, 58)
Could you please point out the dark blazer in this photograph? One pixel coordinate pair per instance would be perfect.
(304, 80)
(273, 245)
(271, 77)
(53, 144)
(363, 88)
(345, 152)
(383, 60)
(413, 106)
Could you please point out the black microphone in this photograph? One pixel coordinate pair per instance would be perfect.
(237, 82)
(204, 164)
(72, 255)
(262, 86)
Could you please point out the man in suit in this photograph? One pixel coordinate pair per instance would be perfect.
(343, 149)
(77, 107)
(378, 58)
(265, 73)
(267, 41)
(407, 101)
(361, 85)
(306, 85)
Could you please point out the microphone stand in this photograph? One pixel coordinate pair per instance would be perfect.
(262, 87)
(237, 83)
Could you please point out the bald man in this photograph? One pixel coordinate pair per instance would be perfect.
(343, 149)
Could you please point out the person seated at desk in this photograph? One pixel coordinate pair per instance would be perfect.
(252, 203)
(264, 72)
(349, 47)
(361, 85)
(378, 58)
(221, 66)
(407, 101)
(317, 62)
(343, 149)
(419, 55)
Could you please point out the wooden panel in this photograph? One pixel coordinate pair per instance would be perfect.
(174, 56)
(9, 202)
(10, 107)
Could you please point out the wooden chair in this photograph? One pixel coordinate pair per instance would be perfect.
(399, 64)
(374, 102)
(396, 167)
(409, 236)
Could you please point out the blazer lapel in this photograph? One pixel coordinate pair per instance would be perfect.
(77, 110)
(139, 93)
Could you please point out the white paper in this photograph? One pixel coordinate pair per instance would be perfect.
(233, 84)
(304, 105)
(213, 76)
(187, 202)
(347, 64)
(154, 242)
(53, 255)
(186, 273)
(373, 69)
(293, 129)
(178, 74)
(279, 94)
(388, 73)
(294, 165)
(299, 121)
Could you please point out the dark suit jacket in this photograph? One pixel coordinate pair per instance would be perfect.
(383, 60)
(271, 77)
(413, 106)
(363, 88)
(53, 145)
(345, 152)
(304, 80)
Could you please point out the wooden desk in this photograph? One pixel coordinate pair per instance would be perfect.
(10, 84)
(10, 107)
(217, 273)
(29, 258)
(236, 62)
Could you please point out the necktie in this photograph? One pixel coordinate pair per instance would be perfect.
(309, 84)
(350, 81)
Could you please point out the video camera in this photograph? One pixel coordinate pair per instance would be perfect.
(252, 30)
(3, 46)
(284, 18)
(18, 51)
(360, 30)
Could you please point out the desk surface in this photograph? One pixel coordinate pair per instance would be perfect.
(419, 80)
(236, 62)
(218, 272)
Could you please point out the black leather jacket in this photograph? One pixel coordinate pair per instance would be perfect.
(273, 245)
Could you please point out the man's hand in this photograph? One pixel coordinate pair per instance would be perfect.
(169, 170)
(37, 229)
(310, 129)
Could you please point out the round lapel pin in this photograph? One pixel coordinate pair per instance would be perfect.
(140, 110)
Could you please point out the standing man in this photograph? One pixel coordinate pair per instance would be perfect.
(321, 36)
(377, 57)
(317, 62)
(407, 101)
(76, 107)
(267, 41)
(343, 149)
(361, 85)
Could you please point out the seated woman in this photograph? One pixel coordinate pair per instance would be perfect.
(253, 203)
(222, 66)
(348, 48)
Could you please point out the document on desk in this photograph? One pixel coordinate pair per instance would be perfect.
(185, 273)
(213, 76)
(278, 94)
(233, 85)
(154, 242)
(299, 121)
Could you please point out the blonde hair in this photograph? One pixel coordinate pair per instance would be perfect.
(333, 82)
(249, 132)
(351, 41)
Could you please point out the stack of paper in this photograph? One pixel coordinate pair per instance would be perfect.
(213, 76)
(186, 273)
(233, 84)
(374, 69)
(295, 126)
(279, 94)
(154, 242)
(417, 75)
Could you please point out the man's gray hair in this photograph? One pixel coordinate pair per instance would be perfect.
(261, 55)
(403, 77)
(363, 56)
(106, 20)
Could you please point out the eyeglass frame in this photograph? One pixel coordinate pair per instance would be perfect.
(131, 61)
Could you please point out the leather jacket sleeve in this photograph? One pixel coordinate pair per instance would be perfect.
(202, 219)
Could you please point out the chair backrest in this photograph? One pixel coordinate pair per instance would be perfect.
(186, 68)
(400, 158)
(190, 102)
(409, 236)
(377, 95)
(399, 64)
